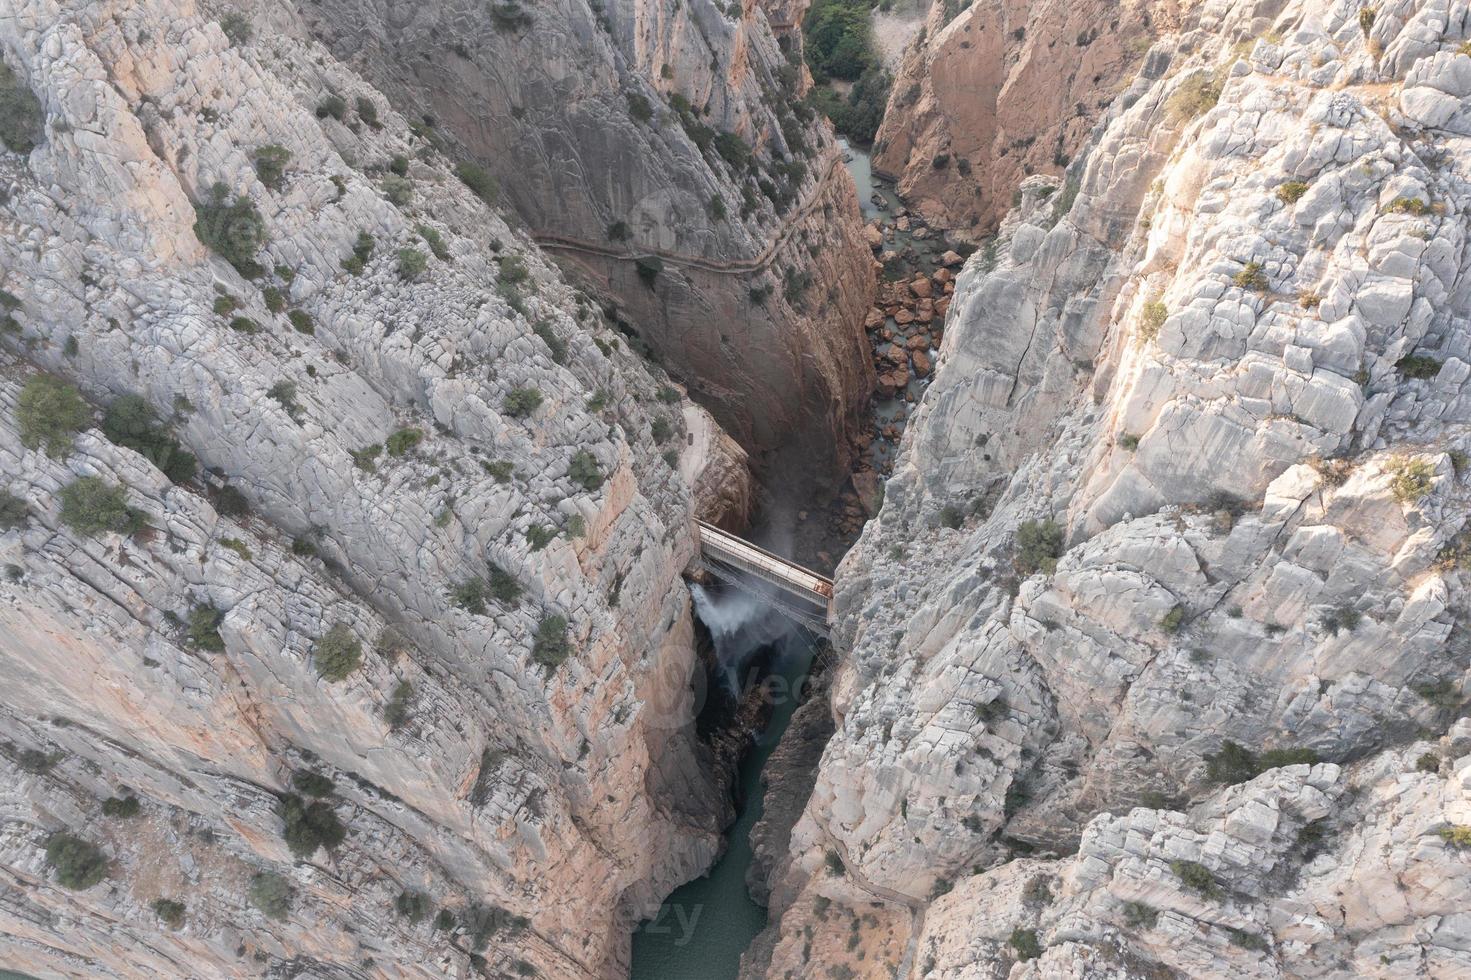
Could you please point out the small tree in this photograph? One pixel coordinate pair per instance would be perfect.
(338, 653)
(234, 230)
(308, 826)
(122, 807)
(479, 180)
(521, 402)
(131, 422)
(270, 165)
(272, 894)
(469, 595)
(1197, 877)
(1024, 941)
(402, 441)
(312, 783)
(1038, 546)
(413, 905)
(551, 646)
(78, 864)
(584, 470)
(203, 628)
(412, 263)
(91, 506)
(50, 412)
(13, 511)
(503, 585)
(170, 911)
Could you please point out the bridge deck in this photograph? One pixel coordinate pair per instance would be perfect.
(806, 593)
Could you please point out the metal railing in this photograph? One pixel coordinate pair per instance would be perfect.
(799, 592)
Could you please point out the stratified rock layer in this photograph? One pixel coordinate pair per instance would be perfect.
(356, 396)
(1189, 473)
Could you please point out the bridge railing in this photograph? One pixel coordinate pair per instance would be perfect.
(802, 591)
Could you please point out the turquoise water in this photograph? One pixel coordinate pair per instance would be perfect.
(704, 926)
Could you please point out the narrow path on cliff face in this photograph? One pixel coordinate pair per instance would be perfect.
(790, 226)
(915, 906)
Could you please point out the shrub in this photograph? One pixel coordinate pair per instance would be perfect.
(1235, 764)
(1428, 762)
(1252, 277)
(1038, 546)
(368, 111)
(1366, 20)
(834, 862)
(233, 230)
(1137, 914)
(1291, 191)
(1244, 939)
(237, 29)
(1342, 618)
(398, 190)
(1409, 479)
(403, 441)
(91, 506)
(312, 783)
(435, 241)
(338, 653)
(555, 346)
(648, 268)
(479, 180)
(13, 511)
(362, 251)
(618, 231)
(1129, 442)
(1444, 693)
(1197, 877)
(78, 864)
(521, 402)
(412, 263)
(469, 595)
(1194, 97)
(283, 393)
(639, 108)
(1418, 366)
(951, 516)
(661, 430)
(244, 324)
(1173, 620)
(272, 894)
(444, 920)
(1407, 205)
(49, 413)
(584, 470)
(230, 502)
(130, 421)
(308, 826)
(22, 119)
(202, 629)
(333, 106)
(500, 470)
(367, 457)
(270, 165)
(1456, 835)
(551, 645)
(413, 905)
(503, 585)
(122, 807)
(396, 711)
(170, 911)
(1154, 316)
(399, 165)
(1024, 941)
(302, 322)
(539, 537)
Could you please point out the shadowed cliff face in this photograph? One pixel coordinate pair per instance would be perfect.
(660, 150)
(1006, 89)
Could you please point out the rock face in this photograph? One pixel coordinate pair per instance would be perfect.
(1002, 89)
(662, 150)
(1189, 474)
(399, 400)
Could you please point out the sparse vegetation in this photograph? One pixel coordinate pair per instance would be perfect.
(237, 29)
(396, 710)
(92, 506)
(1194, 97)
(22, 119)
(479, 180)
(1128, 442)
(283, 393)
(1197, 877)
(1290, 192)
(403, 441)
(232, 229)
(1024, 941)
(1151, 320)
(272, 894)
(130, 421)
(121, 807)
(469, 595)
(202, 628)
(1418, 366)
(1456, 835)
(49, 413)
(521, 402)
(551, 646)
(170, 911)
(270, 165)
(78, 864)
(1408, 205)
(1138, 915)
(1038, 546)
(338, 653)
(308, 826)
(435, 241)
(1173, 620)
(1234, 763)
(661, 430)
(412, 263)
(1409, 479)
(1428, 762)
(1252, 277)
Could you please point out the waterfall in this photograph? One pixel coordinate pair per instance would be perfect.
(740, 624)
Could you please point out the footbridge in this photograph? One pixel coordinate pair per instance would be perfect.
(798, 592)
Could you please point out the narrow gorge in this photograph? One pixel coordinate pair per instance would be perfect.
(367, 371)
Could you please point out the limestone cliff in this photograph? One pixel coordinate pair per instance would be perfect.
(1185, 503)
(663, 151)
(421, 606)
(996, 90)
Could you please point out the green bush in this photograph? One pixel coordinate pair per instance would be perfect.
(503, 585)
(396, 710)
(1153, 318)
(555, 345)
(1024, 941)
(435, 241)
(1428, 762)
(272, 894)
(551, 646)
(500, 470)
(1290, 192)
(49, 413)
(413, 905)
(1039, 544)
(367, 457)
(618, 231)
(202, 629)
(91, 506)
(170, 911)
(230, 502)
(233, 230)
(122, 807)
(469, 595)
(78, 864)
(1456, 835)
(1197, 877)
(1244, 939)
(1173, 620)
(1194, 97)
(237, 29)
(1236, 764)
(362, 251)
(479, 180)
(398, 190)
(1418, 366)
(368, 112)
(539, 537)
(1252, 277)
(312, 783)
(308, 826)
(1137, 914)
(1128, 442)
(13, 511)
(403, 441)
(661, 430)
(412, 263)
(22, 118)
(399, 165)
(639, 108)
(521, 402)
(302, 321)
(333, 106)
(1409, 479)
(130, 421)
(270, 165)
(244, 324)
(338, 653)
(584, 470)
